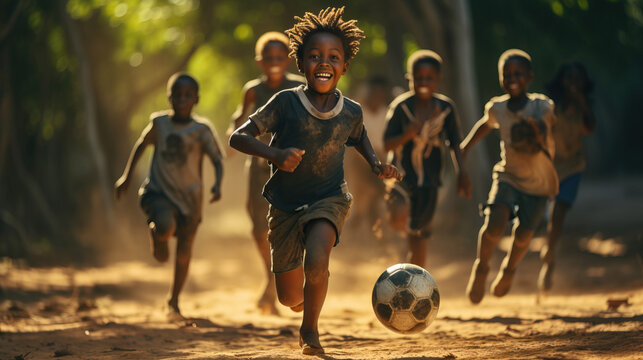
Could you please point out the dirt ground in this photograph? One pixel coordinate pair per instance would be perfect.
(116, 310)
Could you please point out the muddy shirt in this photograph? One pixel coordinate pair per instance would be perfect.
(295, 122)
(568, 135)
(533, 174)
(421, 157)
(177, 161)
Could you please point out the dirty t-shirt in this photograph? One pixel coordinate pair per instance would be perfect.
(568, 134)
(533, 174)
(295, 122)
(177, 161)
(421, 157)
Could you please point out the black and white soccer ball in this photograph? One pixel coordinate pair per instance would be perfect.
(406, 298)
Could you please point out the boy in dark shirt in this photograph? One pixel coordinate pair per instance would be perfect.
(419, 121)
(309, 199)
(271, 55)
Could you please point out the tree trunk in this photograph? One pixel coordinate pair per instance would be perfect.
(89, 107)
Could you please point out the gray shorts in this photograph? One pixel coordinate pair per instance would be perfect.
(286, 234)
(528, 208)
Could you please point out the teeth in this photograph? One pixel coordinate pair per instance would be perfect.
(423, 90)
(274, 69)
(323, 75)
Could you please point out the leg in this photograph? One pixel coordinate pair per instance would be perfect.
(548, 252)
(182, 262)
(490, 234)
(290, 288)
(162, 228)
(521, 239)
(417, 248)
(320, 238)
(267, 301)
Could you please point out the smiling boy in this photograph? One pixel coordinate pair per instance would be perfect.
(309, 199)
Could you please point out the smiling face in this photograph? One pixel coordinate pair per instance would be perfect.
(516, 77)
(183, 97)
(424, 80)
(274, 60)
(323, 62)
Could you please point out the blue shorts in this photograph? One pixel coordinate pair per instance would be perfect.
(528, 208)
(568, 189)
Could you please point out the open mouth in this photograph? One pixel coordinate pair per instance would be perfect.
(274, 69)
(513, 87)
(323, 76)
(423, 90)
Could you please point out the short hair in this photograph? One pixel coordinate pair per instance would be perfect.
(517, 54)
(423, 56)
(171, 82)
(270, 36)
(328, 20)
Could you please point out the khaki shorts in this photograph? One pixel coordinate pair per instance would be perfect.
(286, 234)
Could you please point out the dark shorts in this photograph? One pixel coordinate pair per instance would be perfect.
(286, 235)
(422, 202)
(257, 205)
(156, 206)
(568, 189)
(528, 208)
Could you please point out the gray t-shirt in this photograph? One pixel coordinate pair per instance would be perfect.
(533, 174)
(177, 161)
(295, 122)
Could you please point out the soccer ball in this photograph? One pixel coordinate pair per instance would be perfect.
(406, 298)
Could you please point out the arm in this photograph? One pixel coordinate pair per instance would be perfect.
(385, 171)
(147, 137)
(212, 150)
(249, 100)
(410, 131)
(479, 131)
(244, 140)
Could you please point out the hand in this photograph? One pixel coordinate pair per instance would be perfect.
(216, 193)
(288, 159)
(464, 152)
(120, 187)
(413, 128)
(387, 171)
(464, 185)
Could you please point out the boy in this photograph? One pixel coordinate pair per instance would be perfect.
(571, 92)
(524, 177)
(171, 196)
(418, 123)
(309, 200)
(271, 55)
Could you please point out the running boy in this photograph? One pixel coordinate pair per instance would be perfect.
(271, 55)
(309, 199)
(172, 194)
(571, 90)
(524, 177)
(418, 123)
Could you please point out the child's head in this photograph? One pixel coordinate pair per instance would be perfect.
(514, 72)
(423, 73)
(323, 46)
(271, 54)
(571, 81)
(183, 94)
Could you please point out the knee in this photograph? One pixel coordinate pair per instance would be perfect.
(493, 231)
(522, 237)
(164, 225)
(316, 272)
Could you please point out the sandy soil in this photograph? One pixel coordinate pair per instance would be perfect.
(116, 310)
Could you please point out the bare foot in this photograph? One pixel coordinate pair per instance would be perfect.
(544, 277)
(475, 288)
(309, 343)
(267, 307)
(502, 283)
(174, 314)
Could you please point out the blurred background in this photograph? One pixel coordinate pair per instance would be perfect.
(79, 78)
